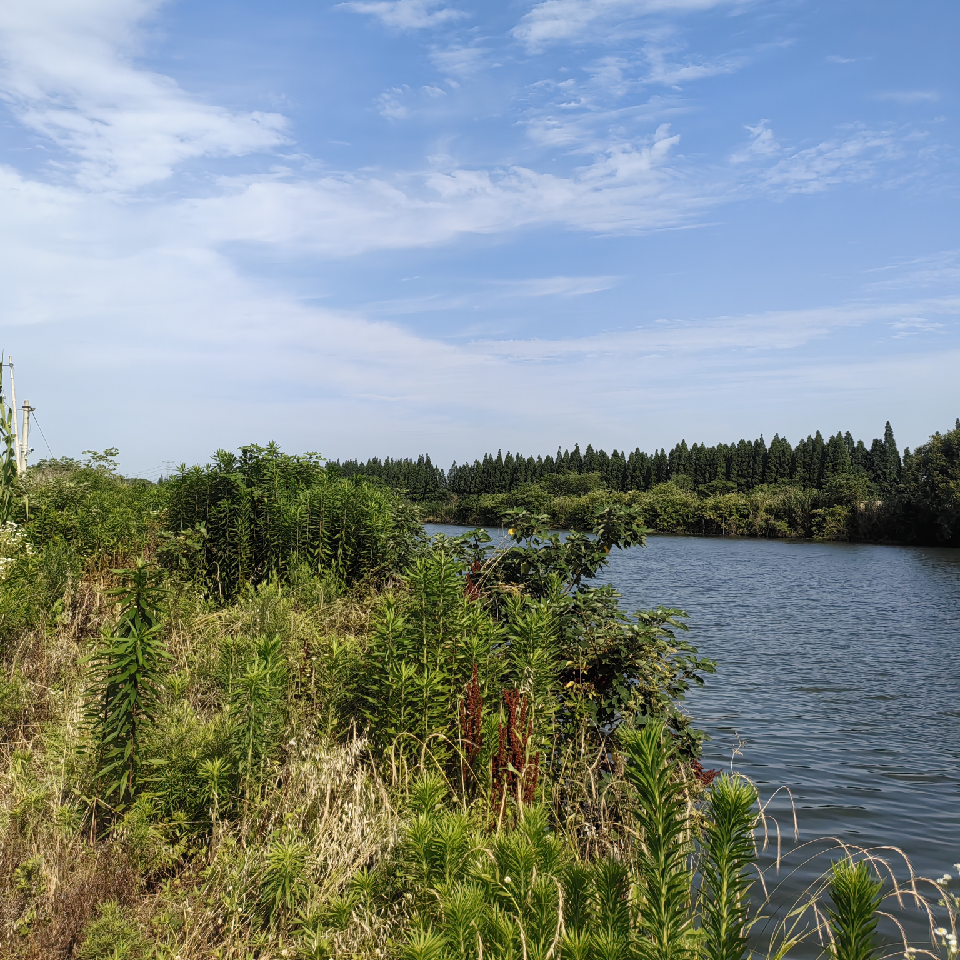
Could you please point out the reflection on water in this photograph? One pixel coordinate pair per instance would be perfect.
(838, 676)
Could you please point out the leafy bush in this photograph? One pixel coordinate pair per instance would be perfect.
(265, 513)
(112, 936)
(91, 507)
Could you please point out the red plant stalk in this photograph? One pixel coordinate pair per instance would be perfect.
(472, 591)
(471, 726)
(515, 773)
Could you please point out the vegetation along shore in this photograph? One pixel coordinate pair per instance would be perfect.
(834, 489)
(253, 712)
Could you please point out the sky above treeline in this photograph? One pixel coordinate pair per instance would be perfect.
(386, 227)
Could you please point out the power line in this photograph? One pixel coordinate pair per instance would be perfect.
(37, 422)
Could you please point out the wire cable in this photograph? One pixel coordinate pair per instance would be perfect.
(37, 422)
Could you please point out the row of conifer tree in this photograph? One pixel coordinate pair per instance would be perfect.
(739, 466)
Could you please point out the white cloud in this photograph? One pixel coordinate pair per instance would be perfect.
(68, 74)
(762, 144)
(140, 304)
(459, 61)
(555, 286)
(407, 14)
(756, 333)
(910, 96)
(853, 159)
(911, 326)
(939, 269)
(670, 74)
(391, 106)
(556, 20)
(627, 189)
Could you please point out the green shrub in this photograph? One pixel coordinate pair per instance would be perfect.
(92, 508)
(113, 936)
(126, 669)
(265, 514)
(422, 651)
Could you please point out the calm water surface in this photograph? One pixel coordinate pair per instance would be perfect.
(838, 676)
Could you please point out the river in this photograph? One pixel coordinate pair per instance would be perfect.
(838, 677)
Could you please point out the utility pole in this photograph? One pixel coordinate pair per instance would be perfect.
(16, 426)
(25, 450)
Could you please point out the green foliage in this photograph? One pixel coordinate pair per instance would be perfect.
(729, 853)
(127, 669)
(856, 895)
(283, 886)
(112, 936)
(930, 492)
(599, 665)
(664, 875)
(265, 513)
(92, 508)
(257, 709)
(479, 896)
(32, 590)
(422, 650)
(321, 771)
(538, 558)
(617, 667)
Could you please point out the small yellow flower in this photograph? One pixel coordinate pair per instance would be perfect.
(511, 531)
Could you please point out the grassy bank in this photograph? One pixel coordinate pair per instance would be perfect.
(252, 713)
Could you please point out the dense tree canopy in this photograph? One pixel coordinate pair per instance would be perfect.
(834, 487)
(741, 466)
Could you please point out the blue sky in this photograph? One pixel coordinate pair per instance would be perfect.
(383, 227)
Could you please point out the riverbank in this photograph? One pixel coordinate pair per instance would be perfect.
(254, 713)
(771, 512)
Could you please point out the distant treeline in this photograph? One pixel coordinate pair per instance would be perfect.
(723, 468)
(874, 493)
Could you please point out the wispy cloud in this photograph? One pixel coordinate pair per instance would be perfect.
(390, 104)
(558, 20)
(554, 286)
(773, 331)
(909, 96)
(762, 144)
(407, 14)
(911, 326)
(673, 74)
(854, 158)
(67, 73)
(458, 60)
(626, 189)
(939, 269)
